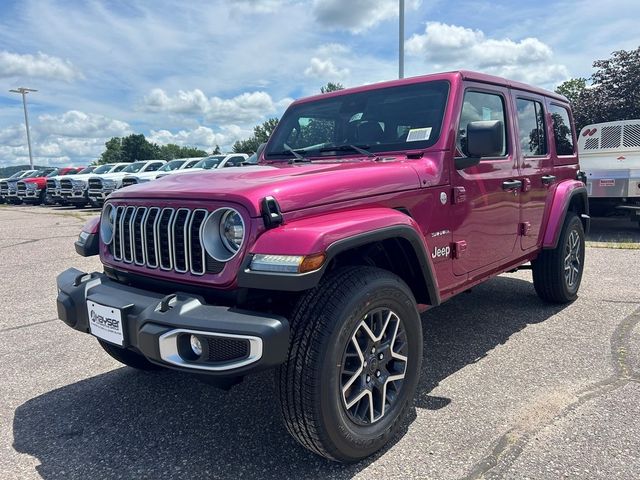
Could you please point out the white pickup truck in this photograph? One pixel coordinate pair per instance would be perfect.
(101, 187)
(172, 166)
(610, 157)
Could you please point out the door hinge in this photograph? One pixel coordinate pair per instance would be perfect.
(459, 195)
(525, 228)
(459, 248)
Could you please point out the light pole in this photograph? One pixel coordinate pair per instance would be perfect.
(401, 41)
(24, 91)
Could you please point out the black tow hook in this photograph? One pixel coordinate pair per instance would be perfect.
(167, 302)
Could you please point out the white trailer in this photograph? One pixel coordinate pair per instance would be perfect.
(610, 157)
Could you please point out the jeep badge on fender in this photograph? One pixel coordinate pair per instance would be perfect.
(364, 204)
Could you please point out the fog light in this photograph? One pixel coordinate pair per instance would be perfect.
(196, 346)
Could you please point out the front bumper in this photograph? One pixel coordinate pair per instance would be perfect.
(74, 196)
(157, 325)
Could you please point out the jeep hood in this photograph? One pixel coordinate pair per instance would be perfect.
(294, 186)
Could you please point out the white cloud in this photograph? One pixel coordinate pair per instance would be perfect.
(325, 69)
(259, 6)
(452, 46)
(357, 15)
(36, 66)
(201, 137)
(246, 107)
(73, 137)
(79, 124)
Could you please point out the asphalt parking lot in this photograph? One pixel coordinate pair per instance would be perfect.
(511, 387)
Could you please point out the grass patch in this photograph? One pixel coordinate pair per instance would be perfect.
(616, 245)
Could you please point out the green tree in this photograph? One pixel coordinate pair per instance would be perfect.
(137, 147)
(171, 151)
(260, 135)
(572, 89)
(112, 152)
(331, 87)
(216, 151)
(614, 92)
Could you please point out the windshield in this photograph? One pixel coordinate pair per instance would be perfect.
(89, 170)
(209, 162)
(386, 119)
(102, 168)
(53, 173)
(172, 165)
(133, 168)
(252, 160)
(16, 175)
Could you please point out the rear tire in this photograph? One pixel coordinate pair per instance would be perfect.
(128, 358)
(557, 273)
(333, 360)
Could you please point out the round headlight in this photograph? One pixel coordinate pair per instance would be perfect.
(106, 223)
(223, 234)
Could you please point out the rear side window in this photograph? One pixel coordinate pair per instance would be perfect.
(562, 130)
(479, 106)
(531, 130)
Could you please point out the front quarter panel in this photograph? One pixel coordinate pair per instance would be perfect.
(332, 234)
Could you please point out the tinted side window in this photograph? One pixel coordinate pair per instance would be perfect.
(562, 130)
(480, 106)
(531, 130)
(234, 161)
(154, 166)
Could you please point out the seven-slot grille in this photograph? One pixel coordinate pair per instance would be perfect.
(164, 238)
(95, 184)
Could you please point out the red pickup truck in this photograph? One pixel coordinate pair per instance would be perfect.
(34, 189)
(368, 206)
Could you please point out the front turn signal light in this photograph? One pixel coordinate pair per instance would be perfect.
(312, 262)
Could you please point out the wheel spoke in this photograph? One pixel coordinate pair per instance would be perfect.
(374, 366)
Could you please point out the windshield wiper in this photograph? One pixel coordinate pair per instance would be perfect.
(345, 148)
(296, 156)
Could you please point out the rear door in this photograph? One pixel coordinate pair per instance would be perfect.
(486, 204)
(535, 164)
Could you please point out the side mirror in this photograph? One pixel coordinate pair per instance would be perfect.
(484, 139)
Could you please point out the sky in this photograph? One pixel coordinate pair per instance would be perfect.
(203, 73)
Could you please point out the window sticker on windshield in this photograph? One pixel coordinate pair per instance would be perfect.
(419, 134)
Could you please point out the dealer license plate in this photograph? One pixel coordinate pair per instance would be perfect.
(105, 323)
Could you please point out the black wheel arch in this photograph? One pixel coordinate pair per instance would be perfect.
(397, 248)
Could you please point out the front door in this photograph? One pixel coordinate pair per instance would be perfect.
(486, 206)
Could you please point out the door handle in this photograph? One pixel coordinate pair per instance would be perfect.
(511, 185)
(548, 179)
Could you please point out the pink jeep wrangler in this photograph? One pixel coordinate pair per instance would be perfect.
(368, 206)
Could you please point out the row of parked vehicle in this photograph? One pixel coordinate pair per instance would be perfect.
(82, 186)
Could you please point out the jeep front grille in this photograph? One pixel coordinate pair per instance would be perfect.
(164, 238)
(95, 184)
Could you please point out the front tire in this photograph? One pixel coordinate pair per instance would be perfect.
(128, 358)
(557, 273)
(353, 363)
